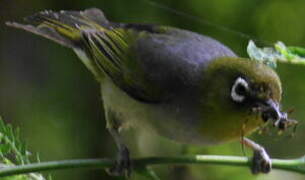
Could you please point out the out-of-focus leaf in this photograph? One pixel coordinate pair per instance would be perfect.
(13, 152)
(279, 53)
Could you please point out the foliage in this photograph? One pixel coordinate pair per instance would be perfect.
(13, 152)
(280, 52)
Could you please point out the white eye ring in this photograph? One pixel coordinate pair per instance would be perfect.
(234, 94)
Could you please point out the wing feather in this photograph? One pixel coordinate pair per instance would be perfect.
(112, 53)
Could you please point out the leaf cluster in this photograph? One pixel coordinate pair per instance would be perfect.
(13, 152)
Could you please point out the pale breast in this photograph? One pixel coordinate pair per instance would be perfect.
(174, 122)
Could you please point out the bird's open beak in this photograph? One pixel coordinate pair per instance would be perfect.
(270, 111)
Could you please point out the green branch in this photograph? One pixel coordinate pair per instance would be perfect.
(294, 165)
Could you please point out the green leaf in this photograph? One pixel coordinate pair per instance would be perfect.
(279, 53)
(13, 152)
(267, 56)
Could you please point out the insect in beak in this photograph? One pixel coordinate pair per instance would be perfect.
(270, 111)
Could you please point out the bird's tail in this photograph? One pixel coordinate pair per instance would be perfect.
(64, 27)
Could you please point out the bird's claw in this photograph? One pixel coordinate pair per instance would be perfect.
(261, 162)
(122, 165)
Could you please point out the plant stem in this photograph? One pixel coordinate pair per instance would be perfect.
(294, 165)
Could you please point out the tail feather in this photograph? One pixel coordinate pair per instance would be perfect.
(44, 32)
(64, 27)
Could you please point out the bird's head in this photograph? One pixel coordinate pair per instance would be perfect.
(240, 95)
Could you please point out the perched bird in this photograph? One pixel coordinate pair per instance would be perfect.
(179, 84)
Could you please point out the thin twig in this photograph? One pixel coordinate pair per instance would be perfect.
(294, 165)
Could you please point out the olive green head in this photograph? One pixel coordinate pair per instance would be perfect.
(239, 96)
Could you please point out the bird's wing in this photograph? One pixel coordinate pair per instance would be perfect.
(113, 52)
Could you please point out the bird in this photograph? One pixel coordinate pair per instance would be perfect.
(172, 82)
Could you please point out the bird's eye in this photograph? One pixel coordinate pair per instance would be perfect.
(239, 89)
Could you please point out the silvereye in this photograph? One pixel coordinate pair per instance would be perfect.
(178, 84)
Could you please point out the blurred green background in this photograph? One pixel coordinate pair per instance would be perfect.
(48, 93)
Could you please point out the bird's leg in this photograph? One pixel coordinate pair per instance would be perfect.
(261, 162)
(123, 163)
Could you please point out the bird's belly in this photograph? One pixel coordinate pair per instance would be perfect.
(165, 120)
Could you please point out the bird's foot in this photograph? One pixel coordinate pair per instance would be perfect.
(122, 165)
(261, 162)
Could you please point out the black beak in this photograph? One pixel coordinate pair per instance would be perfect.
(271, 112)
